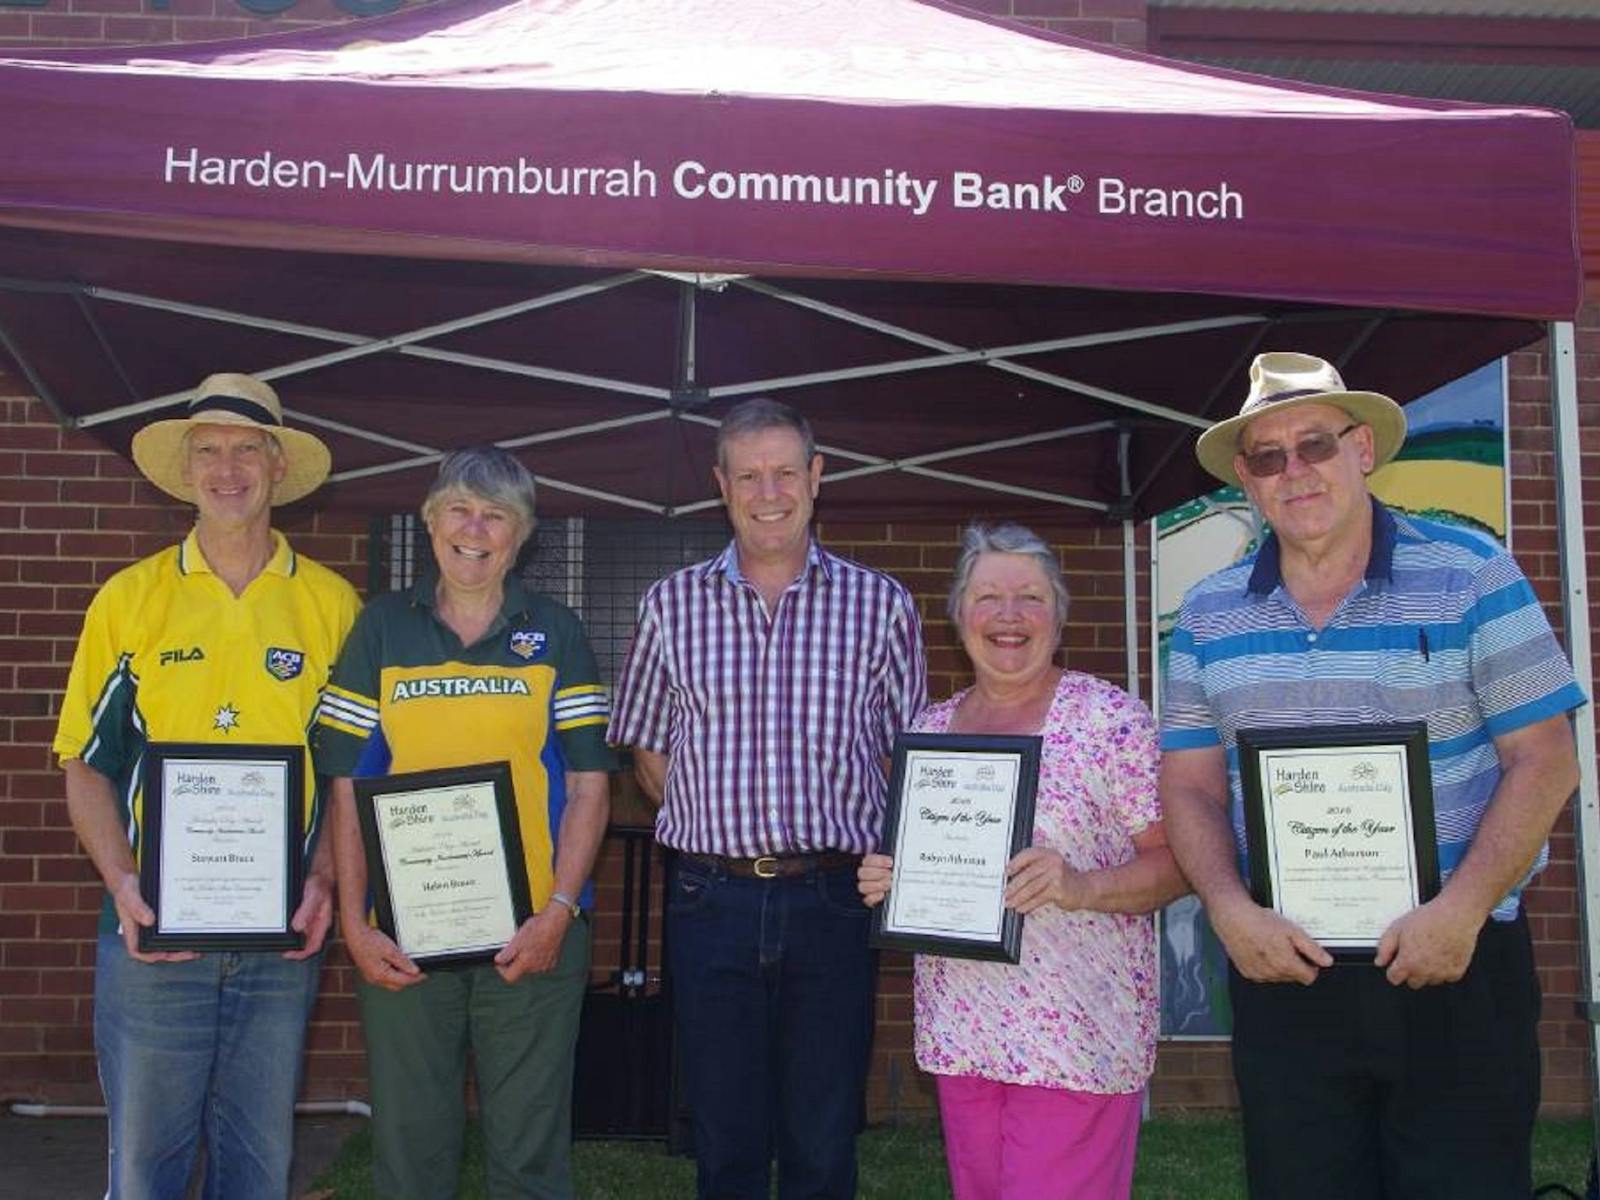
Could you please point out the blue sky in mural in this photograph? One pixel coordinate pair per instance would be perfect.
(1475, 399)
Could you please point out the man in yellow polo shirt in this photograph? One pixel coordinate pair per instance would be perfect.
(226, 637)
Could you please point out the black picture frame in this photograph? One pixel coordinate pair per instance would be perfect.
(1410, 739)
(155, 882)
(890, 929)
(375, 791)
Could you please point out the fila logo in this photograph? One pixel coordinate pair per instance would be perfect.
(193, 654)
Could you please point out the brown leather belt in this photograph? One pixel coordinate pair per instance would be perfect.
(777, 866)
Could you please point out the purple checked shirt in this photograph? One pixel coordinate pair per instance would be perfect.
(775, 731)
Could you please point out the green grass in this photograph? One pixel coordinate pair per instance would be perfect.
(1192, 1157)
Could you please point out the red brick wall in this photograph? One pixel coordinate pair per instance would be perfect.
(139, 22)
(1115, 22)
(1552, 902)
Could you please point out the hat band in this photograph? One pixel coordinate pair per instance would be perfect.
(1295, 394)
(239, 406)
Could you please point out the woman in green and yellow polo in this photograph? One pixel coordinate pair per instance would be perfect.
(469, 667)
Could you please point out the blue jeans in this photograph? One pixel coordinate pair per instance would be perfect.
(209, 1046)
(772, 987)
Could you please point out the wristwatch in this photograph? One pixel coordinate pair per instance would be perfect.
(568, 903)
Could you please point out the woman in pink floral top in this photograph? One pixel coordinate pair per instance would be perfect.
(1041, 1066)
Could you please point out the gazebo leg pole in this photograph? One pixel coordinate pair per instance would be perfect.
(1130, 602)
(1130, 639)
(1130, 565)
(1575, 609)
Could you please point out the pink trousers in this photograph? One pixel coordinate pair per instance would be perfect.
(1007, 1141)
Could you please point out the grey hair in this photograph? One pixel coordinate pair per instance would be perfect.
(758, 415)
(488, 473)
(1005, 538)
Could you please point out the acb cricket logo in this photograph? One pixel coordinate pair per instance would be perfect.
(527, 643)
(284, 664)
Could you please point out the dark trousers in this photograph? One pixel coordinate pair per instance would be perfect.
(772, 990)
(1353, 1088)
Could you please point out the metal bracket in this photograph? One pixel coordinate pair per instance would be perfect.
(689, 398)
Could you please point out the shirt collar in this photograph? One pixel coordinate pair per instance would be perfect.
(726, 564)
(192, 561)
(1267, 575)
(514, 599)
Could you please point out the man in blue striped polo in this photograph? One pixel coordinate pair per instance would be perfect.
(761, 697)
(1416, 1076)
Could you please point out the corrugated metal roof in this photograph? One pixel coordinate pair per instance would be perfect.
(1576, 9)
(1574, 89)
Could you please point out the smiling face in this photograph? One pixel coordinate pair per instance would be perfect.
(769, 488)
(232, 470)
(1008, 620)
(474, 540)
(1309, 504)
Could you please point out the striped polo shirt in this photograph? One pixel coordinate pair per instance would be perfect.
(1443, 628)
(406, 695)
(776, 729)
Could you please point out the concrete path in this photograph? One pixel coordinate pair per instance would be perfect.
(64, 1158)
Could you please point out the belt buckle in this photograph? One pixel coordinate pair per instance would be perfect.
(765, 867)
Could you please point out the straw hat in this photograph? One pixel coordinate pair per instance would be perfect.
(229, 399)
(1282, 380)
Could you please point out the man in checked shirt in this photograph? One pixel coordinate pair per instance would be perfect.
(761, 698)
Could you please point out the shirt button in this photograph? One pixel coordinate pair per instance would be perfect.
(1311, 637)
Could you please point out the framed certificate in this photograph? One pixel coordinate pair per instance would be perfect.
(221, 857)
(444, 861)
(960, 806)
(1339, 821)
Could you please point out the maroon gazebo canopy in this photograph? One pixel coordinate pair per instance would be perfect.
(1001, 270)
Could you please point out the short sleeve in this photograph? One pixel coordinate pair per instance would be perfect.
(640, 713)
(1187, 722)
(582, 702)
(1132, 758)
(1520, 674)
(96, 723)
(347, 715)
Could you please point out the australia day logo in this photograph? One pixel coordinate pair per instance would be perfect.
(253, 783)
(284, 664)
(527, 643)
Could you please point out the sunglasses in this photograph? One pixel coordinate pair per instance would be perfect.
(1314, 448)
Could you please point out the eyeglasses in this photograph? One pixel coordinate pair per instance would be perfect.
(1314, 448)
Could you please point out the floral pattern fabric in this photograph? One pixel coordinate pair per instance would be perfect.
(1079, 1010)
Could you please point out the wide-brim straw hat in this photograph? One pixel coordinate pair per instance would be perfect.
(1282, 379)
(230, 399)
